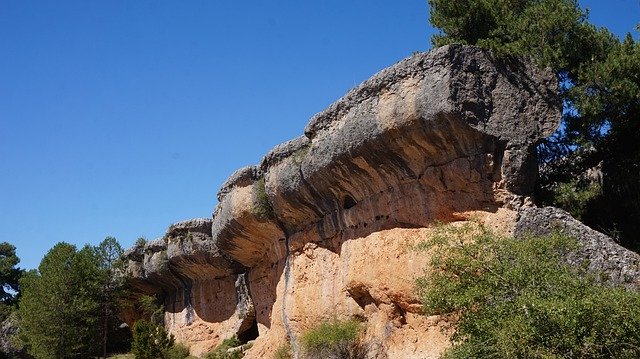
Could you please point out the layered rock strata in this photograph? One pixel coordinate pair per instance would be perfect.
(324, 227)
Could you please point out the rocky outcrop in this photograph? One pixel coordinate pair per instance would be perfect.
(602, 256)
(323, 227)
(10, 344)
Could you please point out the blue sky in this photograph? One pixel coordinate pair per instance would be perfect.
(118, 118)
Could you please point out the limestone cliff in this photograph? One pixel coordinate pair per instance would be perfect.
(324, 226)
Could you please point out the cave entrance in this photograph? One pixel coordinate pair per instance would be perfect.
(250, 333)
(348, 202)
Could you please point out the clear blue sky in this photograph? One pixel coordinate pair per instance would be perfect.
(118, 118)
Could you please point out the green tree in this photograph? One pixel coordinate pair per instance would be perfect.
(607, 99)
(59, 308)
(515, 298)
(150, 340)
(600, 88)
(109, 256)
(9, 277)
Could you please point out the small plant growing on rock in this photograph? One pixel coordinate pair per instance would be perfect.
(335, 340)
(261, 205)
(300, 154)
(141, 242)
(283, 352)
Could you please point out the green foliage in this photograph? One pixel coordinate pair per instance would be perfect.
(68, 306)
(600, 90)
(336, 339)
(151, 309)
(141, 242)
(110, 264)
(607, 99)
(283, 352)
(221, 351)
(177, 351)
(519, 299)
(9, 275)
(150, 341)
(261, 204)
(60, 304)
(553, 32)
(299, 155)
(575, 198)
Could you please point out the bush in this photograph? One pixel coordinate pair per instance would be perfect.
(283, 352)
(151, 309)
(262, 205)
(519, 299)
(150, 341)
(337, 339)
(575, 198)
(221, 351)
(177, 351)
(140, 242)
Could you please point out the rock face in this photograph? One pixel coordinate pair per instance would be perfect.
(10, 345)
(615, 264)
(324, 226)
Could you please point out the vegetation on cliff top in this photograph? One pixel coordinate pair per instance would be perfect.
(514, 298)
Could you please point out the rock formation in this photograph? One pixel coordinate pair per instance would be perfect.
(324, 227)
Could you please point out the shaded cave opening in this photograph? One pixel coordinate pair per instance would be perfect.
(348, 202)
(249, 333)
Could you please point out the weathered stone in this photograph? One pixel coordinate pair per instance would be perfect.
(244, 227)
(214, 310)
(441, 129)
(615, 264)
(194, 254)
(240, 178)
(324, 226)
(10, 344)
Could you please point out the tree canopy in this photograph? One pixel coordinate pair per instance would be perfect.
(68, 304)
(9, 273)
(599, 76)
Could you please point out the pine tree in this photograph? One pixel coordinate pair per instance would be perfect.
(9, 279)
(60, 304)
(109, 253)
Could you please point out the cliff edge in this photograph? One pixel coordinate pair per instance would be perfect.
(324, 226)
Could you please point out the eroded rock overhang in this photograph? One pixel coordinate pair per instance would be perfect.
(437, 134)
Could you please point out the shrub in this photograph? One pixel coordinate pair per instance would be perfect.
(151, 309)
(575, 198)
(221, 351)
(283, 352)
(336, 339)
(141, 242)
(150, 341)
(261, 204)
(519, 299)
(300, 154)
(177, 351)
